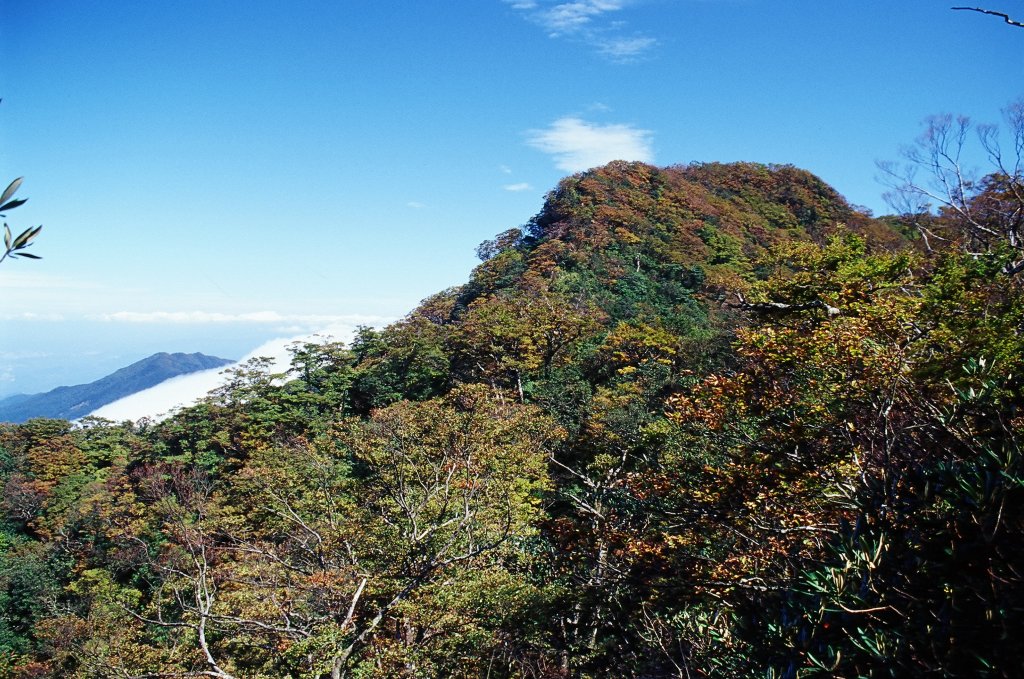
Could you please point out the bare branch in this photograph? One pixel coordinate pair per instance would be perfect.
(779, 307)
(1006, 17)
(979, 212)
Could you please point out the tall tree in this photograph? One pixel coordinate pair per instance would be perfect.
(935, 190)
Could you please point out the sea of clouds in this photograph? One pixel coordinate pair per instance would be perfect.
(161, 401)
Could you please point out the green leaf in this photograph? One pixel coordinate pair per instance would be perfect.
(7, 237)
(13, 204)
(9, 191)
(26, 254)
(26, 237)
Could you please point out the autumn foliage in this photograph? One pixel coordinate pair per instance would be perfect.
(701, 421)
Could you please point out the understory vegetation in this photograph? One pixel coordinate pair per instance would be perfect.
(697, 421)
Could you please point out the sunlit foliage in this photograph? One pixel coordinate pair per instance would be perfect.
(687, 422)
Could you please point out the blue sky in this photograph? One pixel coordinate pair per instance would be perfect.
(214, 174)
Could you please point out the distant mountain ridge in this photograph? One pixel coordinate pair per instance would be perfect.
(72, 402)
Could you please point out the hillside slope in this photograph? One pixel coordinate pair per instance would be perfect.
(72, 402)
(701, 421)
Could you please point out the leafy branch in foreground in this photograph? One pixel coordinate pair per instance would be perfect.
(14, 247)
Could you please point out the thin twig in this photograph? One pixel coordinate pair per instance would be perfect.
(1006, 17)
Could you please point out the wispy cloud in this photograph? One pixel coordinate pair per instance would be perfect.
(591, 22)
(521, 186)
(571, 17)
(416, 205)
(25, 280)
(212, 317)
(22, 355)
(35, 296)
(577, 145)
(625, 49)
(31, 316)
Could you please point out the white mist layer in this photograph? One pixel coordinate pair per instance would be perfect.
(160, 401)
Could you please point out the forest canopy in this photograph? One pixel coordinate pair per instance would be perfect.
(704, 420)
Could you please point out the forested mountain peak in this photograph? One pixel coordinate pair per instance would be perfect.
(691, 421)
(623, 245)
(714, 217)
(625, 194)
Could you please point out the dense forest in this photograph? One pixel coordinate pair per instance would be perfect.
(696, 421)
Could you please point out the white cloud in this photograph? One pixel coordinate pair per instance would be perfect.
(570, 17)
(416, 205)
(578, 145)
(31, 316)
(22, 355)
(25, 280)
(588, 21)
(624, 49)
(158, 402)
(212, 317)
(521, 186)
(36, 296)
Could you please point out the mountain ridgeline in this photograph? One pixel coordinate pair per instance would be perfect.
(629, 246)
(77, 401)
(707, 420)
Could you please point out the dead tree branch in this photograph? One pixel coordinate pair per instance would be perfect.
(1005, 16)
